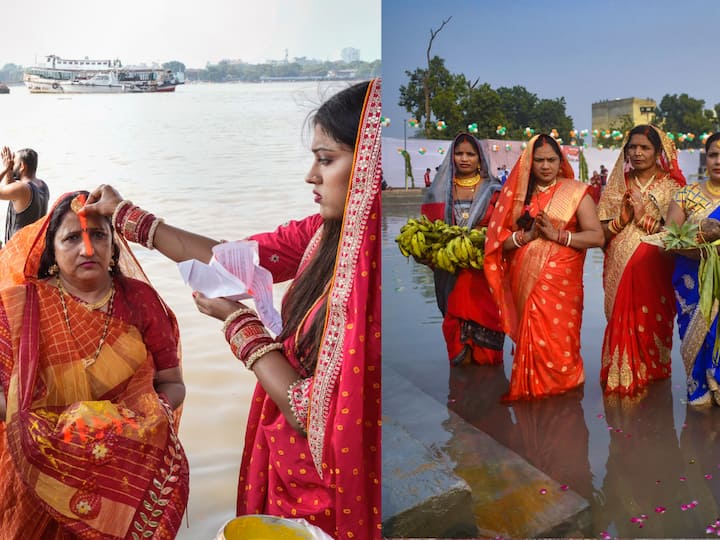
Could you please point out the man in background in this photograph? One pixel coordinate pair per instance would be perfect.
(27, 195)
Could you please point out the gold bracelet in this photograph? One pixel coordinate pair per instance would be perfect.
(260, 352)
(151, 233)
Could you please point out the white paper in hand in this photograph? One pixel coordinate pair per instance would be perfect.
(234, 272)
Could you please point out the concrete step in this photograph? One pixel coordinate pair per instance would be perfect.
(421, 495)
(510, 497)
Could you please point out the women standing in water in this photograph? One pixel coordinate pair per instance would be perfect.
(697, 203)
(542, 224)
(637, 276)
(463, 193)
(90, 367)
(312, 445)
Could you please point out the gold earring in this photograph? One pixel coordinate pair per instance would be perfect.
(112, 263)
(54, 269)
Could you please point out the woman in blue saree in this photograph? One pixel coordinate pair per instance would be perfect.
(698, 203)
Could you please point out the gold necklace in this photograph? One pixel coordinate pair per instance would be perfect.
(468, 182)
(644, 187)
(543, 189)
(712, 189)
(100, 303)
(89, 361)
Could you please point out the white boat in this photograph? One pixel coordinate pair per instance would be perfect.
(87, 76)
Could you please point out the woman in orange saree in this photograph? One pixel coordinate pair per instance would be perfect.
(534, 254)
(312, 445)
(637, 276)
(464, 193)
(90, 367)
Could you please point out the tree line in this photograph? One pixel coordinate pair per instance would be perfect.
(227, 71)
(443, 103)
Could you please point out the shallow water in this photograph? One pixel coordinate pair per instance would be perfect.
(657, 458)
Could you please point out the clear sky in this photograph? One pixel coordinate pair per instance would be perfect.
(586, 51)
(192, 32)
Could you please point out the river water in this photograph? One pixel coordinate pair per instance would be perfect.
(647, 469)
(222, 160)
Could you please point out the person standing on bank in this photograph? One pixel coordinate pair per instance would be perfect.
(28, 195)
(428, 182)
(312, 444)
(637, 276)
(464, 193)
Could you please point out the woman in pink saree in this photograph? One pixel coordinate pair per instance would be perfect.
(312, 445)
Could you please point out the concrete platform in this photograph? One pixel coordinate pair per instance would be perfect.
(510, 497)
(422, 496)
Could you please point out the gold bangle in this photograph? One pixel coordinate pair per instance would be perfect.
(151, 233)
(260, 352)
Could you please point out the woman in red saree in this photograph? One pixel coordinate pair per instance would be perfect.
(639, 296)
(312, 445)
(534, 253)
(90, 367)
(464, 193)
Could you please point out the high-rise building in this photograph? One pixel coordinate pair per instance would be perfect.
(350, 54)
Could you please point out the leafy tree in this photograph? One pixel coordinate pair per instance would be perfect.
(174, 66)
(484, 106)
(684, 114)
(445, 93)
(517, 104)
(550, 114)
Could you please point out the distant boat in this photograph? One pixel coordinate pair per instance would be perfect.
(4, 88)
(61, 76)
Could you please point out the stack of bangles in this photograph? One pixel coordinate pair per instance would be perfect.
(135, 224)
(248, 337)
(650, 225)
(518, 238)
(564, 237)
(615, 226)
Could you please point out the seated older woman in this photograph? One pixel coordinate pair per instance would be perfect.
(90, 374)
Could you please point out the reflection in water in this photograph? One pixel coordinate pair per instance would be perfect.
(552, 435)
(648, 489)
(617, 470)
(548, 433)
(700, 448)
(474, 394)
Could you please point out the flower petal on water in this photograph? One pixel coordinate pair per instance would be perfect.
(660, 509)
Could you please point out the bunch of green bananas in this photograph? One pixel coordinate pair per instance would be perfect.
(448, 247)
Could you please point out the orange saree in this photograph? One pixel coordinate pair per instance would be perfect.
(89, 450)
(539, 287)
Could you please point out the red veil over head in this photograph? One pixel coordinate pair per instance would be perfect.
(509, 207)
(344, 417)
